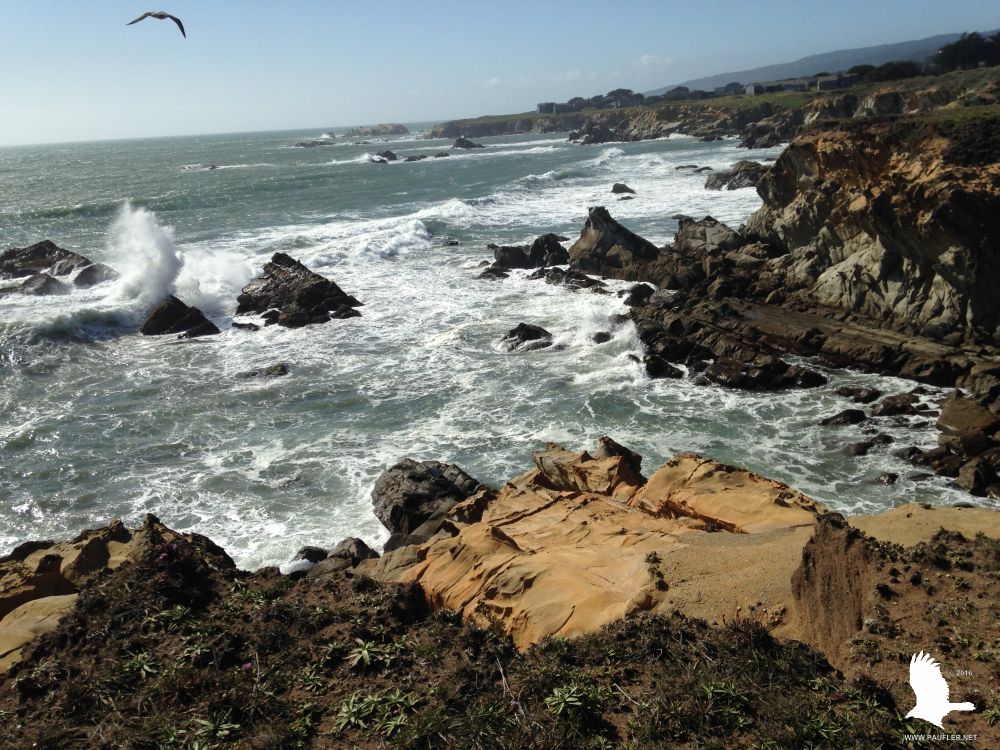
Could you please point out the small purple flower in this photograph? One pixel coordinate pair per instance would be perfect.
(247, 666)
(163, 556)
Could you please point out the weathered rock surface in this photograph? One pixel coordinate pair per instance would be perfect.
(39, 581)
(604, 243)
(300, 296)
(39, 285)
(43, 256)
(742, 174)
(544, 251)
(172, 316)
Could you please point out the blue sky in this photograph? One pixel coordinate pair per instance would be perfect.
(75, 71)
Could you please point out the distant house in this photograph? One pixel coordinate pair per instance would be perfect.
(753, 89)
(829, 83)
(789, 84)
(546, 108)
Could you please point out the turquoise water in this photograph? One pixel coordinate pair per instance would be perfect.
(96, 421)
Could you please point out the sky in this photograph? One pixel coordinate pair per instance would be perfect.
(73, 71)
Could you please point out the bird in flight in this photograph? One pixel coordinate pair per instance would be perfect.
(931, 690)
(160, 16)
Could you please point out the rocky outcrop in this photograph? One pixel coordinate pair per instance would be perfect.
(526, 338)
(620, 187)
(39, 581)
(42, 263)
(378, 131)
(412, 498)
(546, 250)
(742, 174)
(39, 285)
(172, 316)
(289, 294)
(387, 155)
(464, 143)
(606, 244)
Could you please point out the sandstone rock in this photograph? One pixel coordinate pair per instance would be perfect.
(174, 316)
(962, 415)
(901, 403)
(526, 337)
(300, 296)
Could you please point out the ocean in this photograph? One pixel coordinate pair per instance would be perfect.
(97, 421)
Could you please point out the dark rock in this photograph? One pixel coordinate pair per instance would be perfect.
(95, 273)
(42, 256)
(312, 554)
(570, 278)
(510, 256)
(421, 157)
(347, 554)
(525, 337)
(625, 198)
(547, 251)
(976, 476)
(496, 272)
(743, 174)
(608, 448)
(859, 394)
(387, 155)
(411, 493)
(621, 187)
(604, 243)
(639, 295)
(594, 133)
(687, 166)
(300, 296)
(963, 415)
(860, 449)
(173, 316)
(848, 416)
(657, 367)
(442, 155)
(901, 403)
(462, 142)
(274, 371)
(245, 326)
(889, 478)
(39, 285)
(601, 337)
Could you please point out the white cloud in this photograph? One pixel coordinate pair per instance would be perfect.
(649, 62)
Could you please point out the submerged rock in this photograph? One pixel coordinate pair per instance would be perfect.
(274, 371)
(301, 297)
(173, 316)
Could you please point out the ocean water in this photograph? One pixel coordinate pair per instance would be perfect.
(97, 421)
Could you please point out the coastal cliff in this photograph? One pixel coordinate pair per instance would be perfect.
(580, 602)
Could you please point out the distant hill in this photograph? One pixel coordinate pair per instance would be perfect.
(918, 50)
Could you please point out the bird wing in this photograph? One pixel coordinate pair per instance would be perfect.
(180, 26)
(926, 680)
(144, 15)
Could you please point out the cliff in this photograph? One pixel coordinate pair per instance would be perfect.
(600, 575)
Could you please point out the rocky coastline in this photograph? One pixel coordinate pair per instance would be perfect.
(591, 601)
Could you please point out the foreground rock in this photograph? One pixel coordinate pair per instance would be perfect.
(525, 337)
(45, 266)
(289, 294)
(172, 316)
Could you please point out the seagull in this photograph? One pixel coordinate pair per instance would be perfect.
(931, 690)
(160, 15)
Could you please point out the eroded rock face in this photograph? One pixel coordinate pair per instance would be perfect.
(584, 539)
(172, 316)
(301, 297)
(605, 243)
(742, 174)
(39, 581)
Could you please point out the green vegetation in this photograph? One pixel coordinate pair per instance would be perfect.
(172, 653)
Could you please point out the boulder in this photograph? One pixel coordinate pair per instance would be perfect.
(42, 256)
(462, 142)
(510, 256)
(742, 174)
(95, 273)
(901, 403)
(570, 278)
(346, 555)
(846, 417)
(605, 243)
(621, 187)
(976, 476)
(657, 367)
(547, 251)
(962, 415)
(300, 296)
(411, 493)
(387, 155)
(174, 316)
(526, 338)
(859, 394)
(442, 155)
(495, 272)
(39, 285)
(638, 295)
